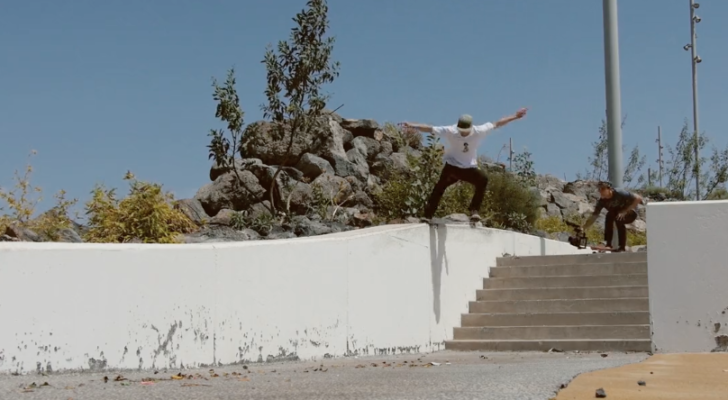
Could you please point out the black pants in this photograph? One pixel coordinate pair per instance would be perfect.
(621, 228)
(452, 174)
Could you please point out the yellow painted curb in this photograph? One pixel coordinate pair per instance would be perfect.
(702, 376)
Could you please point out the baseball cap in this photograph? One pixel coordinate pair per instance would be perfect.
(465, 123)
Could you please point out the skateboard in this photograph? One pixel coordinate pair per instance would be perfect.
(437, 222)
(600, 249)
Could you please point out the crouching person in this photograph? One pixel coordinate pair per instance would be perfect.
(621, 210)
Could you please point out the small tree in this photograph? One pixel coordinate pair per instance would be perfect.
(221, 148)
(295, 75)
(599, 165)
(523, 168)
(681, 166)
(425, 173)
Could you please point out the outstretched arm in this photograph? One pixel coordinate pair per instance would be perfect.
(506, 120)
(592, 218)
(420, 127)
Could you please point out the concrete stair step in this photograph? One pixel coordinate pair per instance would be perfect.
(638, 345)
(571, 259)
(565, 293)
(556, 319)
(616, 268)
(553, 332)
(553, 306)
(565, 281)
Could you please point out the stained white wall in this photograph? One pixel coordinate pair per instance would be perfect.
(687, 261)
(389, 289)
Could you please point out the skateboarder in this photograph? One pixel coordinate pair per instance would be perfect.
(620, 205)
(461, 158)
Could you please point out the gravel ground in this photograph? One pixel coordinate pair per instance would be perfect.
(441, 375)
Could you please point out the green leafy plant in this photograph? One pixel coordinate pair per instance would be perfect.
(222, 149)
(523, 168)
(145, 215)
(426, 171)
(511, 203)
(261, 222)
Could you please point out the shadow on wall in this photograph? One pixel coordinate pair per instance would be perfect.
(437, 260)
(542, 241)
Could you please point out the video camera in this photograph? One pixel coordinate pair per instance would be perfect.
(579, 239)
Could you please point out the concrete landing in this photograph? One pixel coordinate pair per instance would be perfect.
(701, 376)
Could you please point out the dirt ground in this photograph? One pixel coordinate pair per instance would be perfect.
(701, 376)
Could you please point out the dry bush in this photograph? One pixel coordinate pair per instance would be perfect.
(146, 215)
(19, 204)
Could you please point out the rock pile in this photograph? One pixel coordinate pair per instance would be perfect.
(327, 181)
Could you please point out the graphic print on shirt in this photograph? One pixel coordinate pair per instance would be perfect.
(465, 148)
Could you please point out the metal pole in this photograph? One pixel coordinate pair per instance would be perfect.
(649, 176)
(659, 154)
(614, 107)
(694, 63)
(510, 153)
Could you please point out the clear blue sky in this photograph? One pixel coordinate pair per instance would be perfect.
(99, 88)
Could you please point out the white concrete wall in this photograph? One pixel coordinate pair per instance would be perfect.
(390, 289)
(687, 258)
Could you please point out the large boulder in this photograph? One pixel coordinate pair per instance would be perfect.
(227, 192)
(585, 189)
(333, 189)
(263, 141)
(312, 166)
(240, 164)
(361, 127)
(297, 197)
(193, 209)
(368, 147)
(384, 166)
(344, 166)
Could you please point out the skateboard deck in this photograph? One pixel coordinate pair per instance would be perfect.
(438, 221)
(601, 249)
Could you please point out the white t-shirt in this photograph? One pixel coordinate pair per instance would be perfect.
(462, 151)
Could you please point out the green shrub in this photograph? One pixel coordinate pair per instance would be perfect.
(511, 202)
(146, 214)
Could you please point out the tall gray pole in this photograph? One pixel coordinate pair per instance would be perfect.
(614, 107)
(694, 62)
(659, 153)
(510, 153)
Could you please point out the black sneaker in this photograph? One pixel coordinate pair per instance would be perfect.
(426, 220)
(475, 217)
